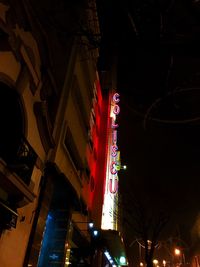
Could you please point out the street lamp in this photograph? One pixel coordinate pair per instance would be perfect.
(177, 252)
(180, 254)
(91, 225)
(155, 261)
(121, 167)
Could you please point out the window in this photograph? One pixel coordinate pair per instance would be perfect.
(72, 149)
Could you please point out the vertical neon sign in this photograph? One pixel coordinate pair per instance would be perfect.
(113, 182)
(110, 205)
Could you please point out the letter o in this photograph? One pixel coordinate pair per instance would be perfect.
(116, 109)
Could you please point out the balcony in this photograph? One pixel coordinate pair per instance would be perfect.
(24, 161)
(16, 167)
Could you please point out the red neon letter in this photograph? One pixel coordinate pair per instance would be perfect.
(113, 124)
(114, 149)
(113, 169)
(116, 109)
(114, 135)
(116, 98)
(113, 189)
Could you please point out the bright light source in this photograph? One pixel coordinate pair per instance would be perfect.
(107, 255)
(91, 225)
(177, 251)
(124, 167)
(141, 264)
(122, 260)
(106, 252)
(95, 232)
(155, 261)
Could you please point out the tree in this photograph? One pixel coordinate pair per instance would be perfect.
(143, 223)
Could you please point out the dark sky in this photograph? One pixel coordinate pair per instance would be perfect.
(157, 45)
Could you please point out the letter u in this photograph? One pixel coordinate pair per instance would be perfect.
(113, 188)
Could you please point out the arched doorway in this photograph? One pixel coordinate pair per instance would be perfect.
(11, 121)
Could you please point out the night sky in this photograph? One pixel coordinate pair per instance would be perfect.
(157, 46)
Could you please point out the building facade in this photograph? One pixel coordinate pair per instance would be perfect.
(54, 138)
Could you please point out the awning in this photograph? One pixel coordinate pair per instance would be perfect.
(113, 243)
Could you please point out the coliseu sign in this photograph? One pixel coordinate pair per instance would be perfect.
(110, 202)
(114, 154)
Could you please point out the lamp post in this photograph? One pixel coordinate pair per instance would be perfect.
(176, 248)
(155, 262)
(177, 252)
(180, 254)
(164, 263)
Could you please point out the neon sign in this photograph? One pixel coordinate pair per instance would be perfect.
(110, 203)
(114, 165)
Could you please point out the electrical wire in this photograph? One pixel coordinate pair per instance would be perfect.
(147, 116)
(159, 100)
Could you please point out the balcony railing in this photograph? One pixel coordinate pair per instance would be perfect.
(22, 162)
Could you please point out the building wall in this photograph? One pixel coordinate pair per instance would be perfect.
(56, 79)
(18, 71)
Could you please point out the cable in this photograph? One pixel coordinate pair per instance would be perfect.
(142, 115)
(159, 100)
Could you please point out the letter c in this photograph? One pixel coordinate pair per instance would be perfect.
(116, 98)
